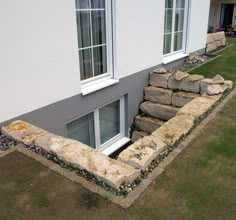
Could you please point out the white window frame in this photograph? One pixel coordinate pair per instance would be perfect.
(184, 42)
(109, 44)
(110, 146)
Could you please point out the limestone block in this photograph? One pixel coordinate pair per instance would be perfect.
(201, 60)
(173, 83)
(218, 43)
(159, 80)
(136, 135)
(164, 112)
(190, 86)
(195, 77)
(160, 70)
(23, 131)
(210, 38)
(208, 82)
(204, 84)
(81, 156)
(179, 99)
(211, 47)
(179, 75)
(218, 79)
(197, 107)
(140, 154)
(148, 124)
(174, 129)
(219, 35)
(214, 97)
(229, 84)
(159, 95)
(223, 42)
(216, 89)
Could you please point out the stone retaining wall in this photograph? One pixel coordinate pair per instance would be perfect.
(181, 99)
(215, 40)
(156, 142)
(77, 155)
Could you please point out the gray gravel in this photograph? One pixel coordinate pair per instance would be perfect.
(6, 143)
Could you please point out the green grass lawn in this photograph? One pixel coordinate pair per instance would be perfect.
(224, 65)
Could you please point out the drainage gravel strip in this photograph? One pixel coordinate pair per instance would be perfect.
(7, 143)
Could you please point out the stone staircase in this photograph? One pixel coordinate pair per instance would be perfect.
(162, 100)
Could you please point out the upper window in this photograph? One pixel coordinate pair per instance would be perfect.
(175, 25)
(100, 128)
(93, 20)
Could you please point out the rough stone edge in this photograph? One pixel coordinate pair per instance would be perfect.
(9, 151)
(135, 194)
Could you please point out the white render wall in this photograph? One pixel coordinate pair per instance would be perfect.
(139, 28)
(38, 55)
(198, 25)
(38, 40)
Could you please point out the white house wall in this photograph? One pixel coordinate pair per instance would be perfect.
(38, 56)
(139, 29)
(198, 24)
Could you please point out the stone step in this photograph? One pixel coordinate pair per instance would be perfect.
(136, 135)
(198, 107)
(179, 99)
(158, 95)
(174, 129)
(147, 123)
(159, 80)
(160, 111)
(140, 154)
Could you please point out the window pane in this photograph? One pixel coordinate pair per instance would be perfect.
(169, 3)
(99, 27)
(85, 61)
(98, 4)
(180, 3)
(82, 4)
(109, 117)
(167, 43)
(179, 20)
(83, 27)
(168, 20)
(178, 41)
(100, 60)
(82, 130)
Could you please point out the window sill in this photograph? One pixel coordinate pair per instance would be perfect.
(174, 57)
(116, 146)
(97, 85)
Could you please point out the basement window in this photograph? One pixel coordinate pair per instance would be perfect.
(100, 129)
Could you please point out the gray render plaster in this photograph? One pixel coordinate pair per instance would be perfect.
(54, 117)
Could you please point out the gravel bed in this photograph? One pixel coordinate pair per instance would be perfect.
(6, 143)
